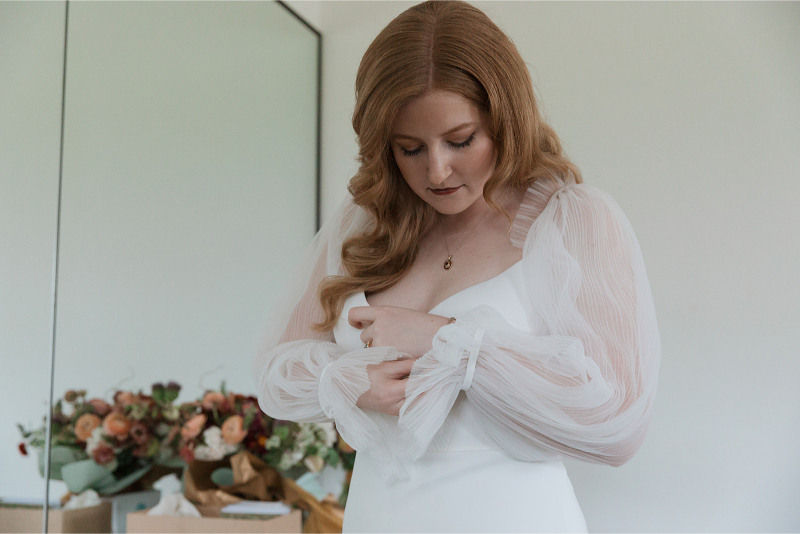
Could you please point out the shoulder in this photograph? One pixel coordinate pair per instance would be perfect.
(345, 218)
(556, 203)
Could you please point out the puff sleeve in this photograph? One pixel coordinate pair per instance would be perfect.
(581, 383)
(303, 375)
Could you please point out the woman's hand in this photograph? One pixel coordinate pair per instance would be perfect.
(409, 331)
(387, 390)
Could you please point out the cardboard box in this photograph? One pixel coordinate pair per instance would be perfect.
(212, 521)
(28, 518)
(125, 503)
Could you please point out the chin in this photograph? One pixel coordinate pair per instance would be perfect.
(446, 205)
(448, 208)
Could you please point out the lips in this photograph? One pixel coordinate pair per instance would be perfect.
(446, 191)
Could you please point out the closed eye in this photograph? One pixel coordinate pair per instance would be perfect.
(454, 145)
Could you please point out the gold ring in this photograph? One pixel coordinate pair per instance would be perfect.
(368, 344)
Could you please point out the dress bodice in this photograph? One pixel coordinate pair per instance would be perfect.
(462, 429)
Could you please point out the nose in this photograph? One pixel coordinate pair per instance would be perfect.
(438, 167)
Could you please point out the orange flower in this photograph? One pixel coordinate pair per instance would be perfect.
(84, 426)
(193, 427)
(232, 430)
(116, 424)
(213, 399)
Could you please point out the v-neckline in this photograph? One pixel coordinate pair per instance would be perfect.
(364, 296)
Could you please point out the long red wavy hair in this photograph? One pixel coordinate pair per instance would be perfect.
(435, 45)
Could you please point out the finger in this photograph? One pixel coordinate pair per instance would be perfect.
(396, 407)
(366, 335)
(399, 367)
(359, 315)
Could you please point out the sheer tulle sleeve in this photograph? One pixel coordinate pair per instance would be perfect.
(303, 375)
(582, 381)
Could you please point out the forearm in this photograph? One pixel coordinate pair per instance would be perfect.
(542, 396)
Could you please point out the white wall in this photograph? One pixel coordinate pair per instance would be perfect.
(689, 115)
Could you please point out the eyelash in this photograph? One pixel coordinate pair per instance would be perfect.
(465, 144)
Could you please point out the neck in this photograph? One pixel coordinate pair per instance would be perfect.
(476, 213)
(466, 219)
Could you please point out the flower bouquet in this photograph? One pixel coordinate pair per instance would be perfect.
(109, 446)
(225, 423)
(106, 446)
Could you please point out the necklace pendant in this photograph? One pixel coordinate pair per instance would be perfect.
(448, 263)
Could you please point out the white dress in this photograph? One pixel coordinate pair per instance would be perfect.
(557, 357)
(465, 482)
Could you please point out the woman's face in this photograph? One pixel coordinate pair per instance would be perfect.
(442, 146)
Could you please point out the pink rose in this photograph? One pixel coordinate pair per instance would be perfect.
(192, 428)
(100, 407)
(124, 398)
(232, 430)
(212, 399)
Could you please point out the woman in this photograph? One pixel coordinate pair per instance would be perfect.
(472, 314)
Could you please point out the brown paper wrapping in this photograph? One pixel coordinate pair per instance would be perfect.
(255, 480)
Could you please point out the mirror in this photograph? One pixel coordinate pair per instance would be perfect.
(190, 183)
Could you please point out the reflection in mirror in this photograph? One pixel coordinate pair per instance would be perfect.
(190, 183)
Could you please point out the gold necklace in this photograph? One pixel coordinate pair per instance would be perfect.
(448, 263)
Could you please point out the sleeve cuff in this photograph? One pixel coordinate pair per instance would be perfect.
(456, 341)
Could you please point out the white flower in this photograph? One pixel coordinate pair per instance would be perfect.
(201, 452)
(305, 436)
(287, 461)
(212, 436)
(94, 440)
(215, 447)
(171, 412)
(330, 433)
(273, 442)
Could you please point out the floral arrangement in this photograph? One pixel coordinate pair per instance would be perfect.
(225, 423)
(118, 441)
(125, 437)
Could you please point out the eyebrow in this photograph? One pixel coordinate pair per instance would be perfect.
(451, 130)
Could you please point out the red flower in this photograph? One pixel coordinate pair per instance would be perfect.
(103, 453)
(139, 433)
(100, 407)
(22, 450)
(187, 454)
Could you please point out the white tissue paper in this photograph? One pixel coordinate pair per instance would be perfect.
(83, 500)
(172, 500)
